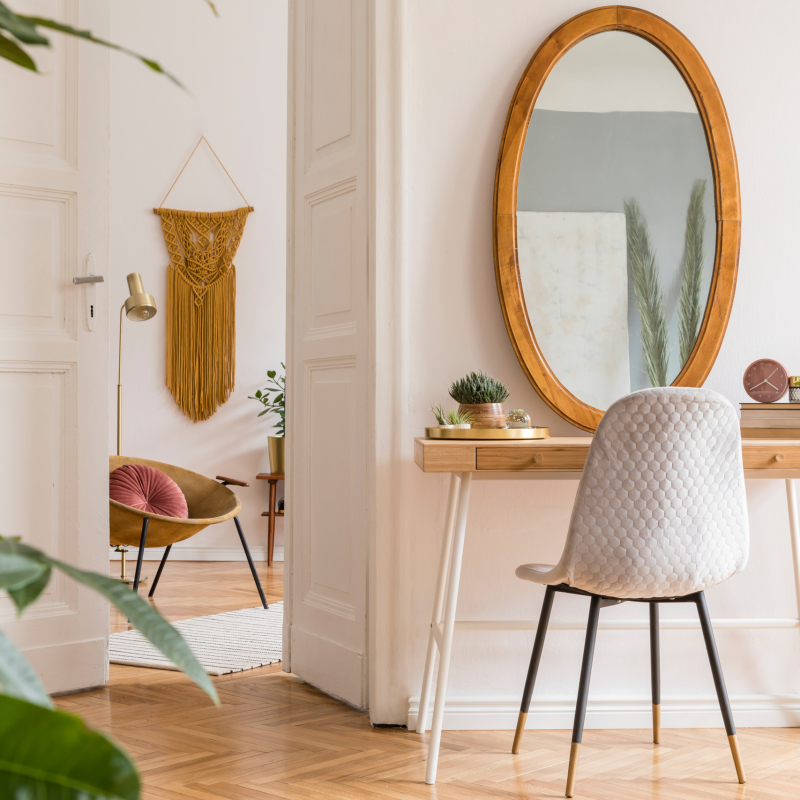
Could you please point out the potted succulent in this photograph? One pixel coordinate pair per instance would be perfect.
(455, 418)
(273, 398)
(482, 396)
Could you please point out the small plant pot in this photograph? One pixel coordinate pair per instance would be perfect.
(485, 415)
(277, 455)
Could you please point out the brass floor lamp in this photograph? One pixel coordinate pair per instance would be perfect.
(139, 307)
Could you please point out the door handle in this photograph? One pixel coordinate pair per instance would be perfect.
(89, 280)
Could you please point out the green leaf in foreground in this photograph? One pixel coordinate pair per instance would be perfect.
(143, 616)
(19, 570)
(11, 51)
(19, 27)
(17, 677)
(148, 621)
(68, 29)
(47, 754)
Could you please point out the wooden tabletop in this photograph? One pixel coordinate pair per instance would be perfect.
(270, 476)
(767, 458)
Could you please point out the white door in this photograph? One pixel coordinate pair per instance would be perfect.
(53, 344)
(328, 348)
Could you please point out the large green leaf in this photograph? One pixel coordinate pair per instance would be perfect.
(49, 755)
(143, 616)
(20, 28)
(13, 52)
(17, 677)
(58, 26)
(18, 570)
(148, 621)
(24, 594)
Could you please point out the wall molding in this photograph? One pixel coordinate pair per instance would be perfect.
(500, 713)
(195, 553)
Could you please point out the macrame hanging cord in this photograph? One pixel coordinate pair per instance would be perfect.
(201, 304)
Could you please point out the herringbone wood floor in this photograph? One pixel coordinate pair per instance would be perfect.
(275, 737)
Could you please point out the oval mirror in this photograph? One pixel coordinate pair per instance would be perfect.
(616, 213)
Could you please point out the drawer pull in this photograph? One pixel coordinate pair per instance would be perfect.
(538, 458)
(780, 457)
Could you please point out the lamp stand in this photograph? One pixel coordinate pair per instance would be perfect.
(119, 385)
(123, 577)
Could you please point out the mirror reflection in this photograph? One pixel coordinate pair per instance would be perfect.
(615, 219)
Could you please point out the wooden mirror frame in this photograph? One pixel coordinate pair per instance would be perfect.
(726, 199)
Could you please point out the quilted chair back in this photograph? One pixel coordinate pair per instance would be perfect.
(661, 508)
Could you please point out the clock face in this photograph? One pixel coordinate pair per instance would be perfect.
(766, 381)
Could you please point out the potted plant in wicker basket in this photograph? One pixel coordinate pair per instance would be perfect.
(273, 398)
(482, 396)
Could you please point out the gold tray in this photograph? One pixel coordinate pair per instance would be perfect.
(487, 433)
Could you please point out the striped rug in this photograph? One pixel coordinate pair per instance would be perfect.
(223, 643)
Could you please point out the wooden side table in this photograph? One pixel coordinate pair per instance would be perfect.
(273, 511)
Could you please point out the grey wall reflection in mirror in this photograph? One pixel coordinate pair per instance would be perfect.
(615, 219)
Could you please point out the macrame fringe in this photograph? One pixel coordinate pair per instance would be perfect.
(201, 306)
(201, 344)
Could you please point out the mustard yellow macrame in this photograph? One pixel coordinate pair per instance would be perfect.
(201, 306)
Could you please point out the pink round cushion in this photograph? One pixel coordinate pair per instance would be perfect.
(147, 489)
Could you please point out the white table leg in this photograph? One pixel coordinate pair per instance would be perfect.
(794, 528)
(438, 601)
(449, 622)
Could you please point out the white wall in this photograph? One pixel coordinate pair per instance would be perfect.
(460, 61)
(234, 68)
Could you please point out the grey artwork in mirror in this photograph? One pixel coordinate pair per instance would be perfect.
(616, 224)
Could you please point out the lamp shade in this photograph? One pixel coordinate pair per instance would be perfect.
(140, 306)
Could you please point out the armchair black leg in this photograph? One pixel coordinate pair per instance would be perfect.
(583, 693)
(160, 569)
(250, 562)
(655, 672)
(536, 657)
(139, 558)
(719, 683)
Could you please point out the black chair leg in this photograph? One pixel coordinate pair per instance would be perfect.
(719, 682)
(160, 569)
(655, 672)
(583, 692)
(250, 562)
(139, 558)
(536, 657)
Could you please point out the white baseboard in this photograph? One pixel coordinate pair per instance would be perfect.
(192, 553)
(500, 713)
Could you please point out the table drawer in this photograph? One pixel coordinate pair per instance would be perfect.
(531, 458)
(771, 456)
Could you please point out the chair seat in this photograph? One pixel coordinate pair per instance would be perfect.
(547, 574)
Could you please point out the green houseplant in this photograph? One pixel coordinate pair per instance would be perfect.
(482, 396)
(273, 398)
(48, 754)
(455, 418)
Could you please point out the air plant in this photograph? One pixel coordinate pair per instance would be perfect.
(477, 388)
(453, 417)
(654, 335)
(439, 414)
(690, 309)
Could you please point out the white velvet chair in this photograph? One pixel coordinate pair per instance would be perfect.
(660, 516)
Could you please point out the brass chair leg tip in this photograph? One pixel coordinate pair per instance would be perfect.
(656, 724)
(518, 733)
(574, 752)
(737, 758)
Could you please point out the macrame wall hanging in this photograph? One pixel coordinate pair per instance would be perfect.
(201, 301)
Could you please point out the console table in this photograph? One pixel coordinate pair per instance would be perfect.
(549, 459)
(273, 512)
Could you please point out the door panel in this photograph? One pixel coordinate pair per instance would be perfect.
(53, 369)
(327, 417)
